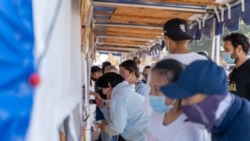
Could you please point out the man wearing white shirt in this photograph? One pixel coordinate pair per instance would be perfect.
(177, 38)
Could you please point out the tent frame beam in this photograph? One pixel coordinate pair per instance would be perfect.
(112, 4)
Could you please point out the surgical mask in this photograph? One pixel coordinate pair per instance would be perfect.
(158, 104)
(204, 112)
(227, 57)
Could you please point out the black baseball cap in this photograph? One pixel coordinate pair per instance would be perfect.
(177, 29)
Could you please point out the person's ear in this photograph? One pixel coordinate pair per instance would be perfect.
(239, 48)
(133, 73)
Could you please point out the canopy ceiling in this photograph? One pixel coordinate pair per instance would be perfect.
(133, 25)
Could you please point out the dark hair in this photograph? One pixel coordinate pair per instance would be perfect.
(131, 66)
(95, 69)
(111, 69)
(169, 68)
(238, 39)
(111, 78)
(137, 60)
(147, 67)
(104, 65)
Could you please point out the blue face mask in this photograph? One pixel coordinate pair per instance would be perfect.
(158, 104)
(227, 57)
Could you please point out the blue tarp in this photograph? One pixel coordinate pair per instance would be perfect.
(16, 65)
(236, 14)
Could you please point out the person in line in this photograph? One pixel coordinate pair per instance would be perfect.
(203, 90)
(110, 69)
(125, 115)
(107, 70)
(105, 64)
(177, 38)
(236, 47)
(137, 61)
(167, 121)
(145, 73)
(130, 72)
(96, 73)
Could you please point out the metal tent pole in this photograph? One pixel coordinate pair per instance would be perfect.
(213, 40)
(87, 73)
(218, 49)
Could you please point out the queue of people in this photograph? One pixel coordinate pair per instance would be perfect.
(188, 95)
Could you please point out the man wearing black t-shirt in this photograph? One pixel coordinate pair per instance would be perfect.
(237, 46)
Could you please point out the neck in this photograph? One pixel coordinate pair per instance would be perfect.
(172, 115)
(240, 61)
(181, 49)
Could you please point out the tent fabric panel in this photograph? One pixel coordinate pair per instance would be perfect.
(16, 65)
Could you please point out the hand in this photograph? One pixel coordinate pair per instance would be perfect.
(99, 103)
(101, 126)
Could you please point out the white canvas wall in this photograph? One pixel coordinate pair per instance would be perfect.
(61, 77)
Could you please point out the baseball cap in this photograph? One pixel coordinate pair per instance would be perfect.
(95, 69)
(177, 29)
(203, 76)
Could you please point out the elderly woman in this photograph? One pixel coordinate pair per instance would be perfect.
(125, 115)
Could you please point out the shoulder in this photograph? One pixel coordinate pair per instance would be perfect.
(195, 132)
(186, 58)
(241, 108)
(248, 64)
(141, 84)
(141, 87)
